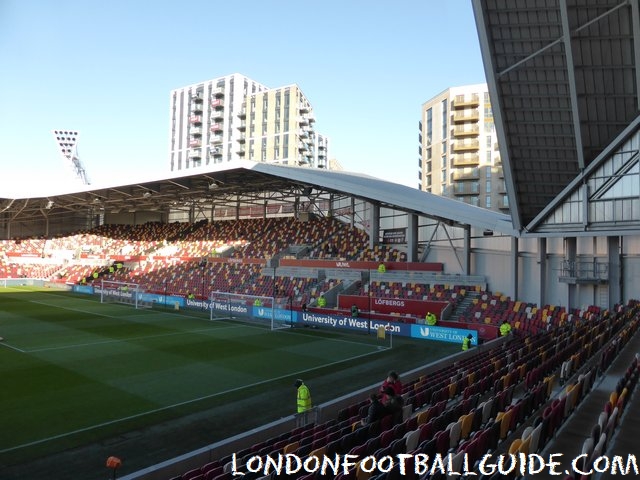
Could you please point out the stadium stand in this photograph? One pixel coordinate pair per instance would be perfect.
(503, 399)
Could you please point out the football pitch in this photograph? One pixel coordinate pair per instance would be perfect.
(75, 371)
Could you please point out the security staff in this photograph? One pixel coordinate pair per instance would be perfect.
(303, 397)
(505, 328)
(466, 342)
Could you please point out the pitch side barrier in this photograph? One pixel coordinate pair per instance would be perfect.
(305, 319)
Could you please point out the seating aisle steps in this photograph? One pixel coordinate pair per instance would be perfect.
(570, 437)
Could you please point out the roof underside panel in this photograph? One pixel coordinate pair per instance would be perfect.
(559, 108)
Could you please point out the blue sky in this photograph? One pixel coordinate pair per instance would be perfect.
(106, 70)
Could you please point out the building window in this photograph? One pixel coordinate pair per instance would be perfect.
(285, 144)
(489, 127)
(487, 201)
(487, 187)
(444, 119)
(429, 122)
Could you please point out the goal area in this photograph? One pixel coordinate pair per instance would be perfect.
(273, 312)
(119, 292)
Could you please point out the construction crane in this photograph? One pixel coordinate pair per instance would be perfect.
(67, 141)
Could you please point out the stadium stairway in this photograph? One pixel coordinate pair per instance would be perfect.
(571, 435)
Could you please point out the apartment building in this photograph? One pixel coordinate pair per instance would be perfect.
(459, 155)
(236, 118)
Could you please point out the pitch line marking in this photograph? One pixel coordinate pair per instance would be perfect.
(180, 404)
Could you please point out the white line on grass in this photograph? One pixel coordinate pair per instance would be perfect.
(5, 344)
(125, 340)
(160, 335)
(180, 404)
(81, 311)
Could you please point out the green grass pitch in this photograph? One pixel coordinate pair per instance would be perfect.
(75, 371)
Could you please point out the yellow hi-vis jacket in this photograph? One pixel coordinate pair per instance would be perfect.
(466, 343)
(304, 398)
(505, 328)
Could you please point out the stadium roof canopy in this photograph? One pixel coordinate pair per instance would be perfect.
(563, 78)
(249, 183)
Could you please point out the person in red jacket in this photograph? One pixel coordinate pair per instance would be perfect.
(392, 381)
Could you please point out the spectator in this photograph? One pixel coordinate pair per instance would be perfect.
(392, 381)
(430, 319)
(382, 268)
(354, 311)
(322, 302)
(376, 410)
(393, 405)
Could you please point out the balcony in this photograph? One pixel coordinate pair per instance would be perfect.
(465, 189)
(466, 101)
(466, 130)
(302, 146)
(303, 120)
(466, 174)
(302, 133)
(196, 131)
(218, 92)
(217, 115)
(304, 108)
(195, 143)
(584, 272)
(241, 150)
(216, 139)
(195, 119)
(466, 116)
(217, 103)
(243, 112)
(243, 125)
(466, 160)
(216, 127)
(312, 118)
(242, 139)
(467, 145)
(216, 152)
(196, 107)
(195, 154)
